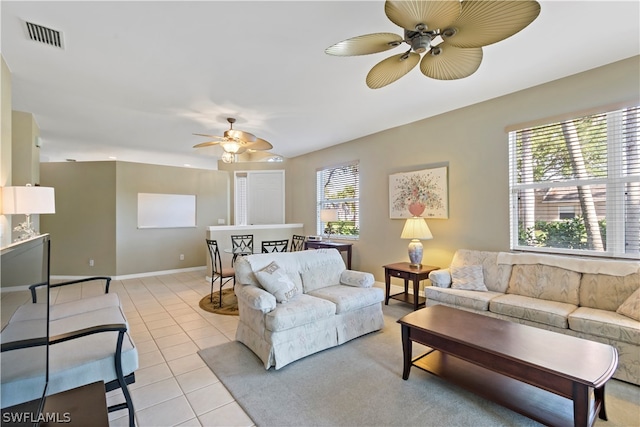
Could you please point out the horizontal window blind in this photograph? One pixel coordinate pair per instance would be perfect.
(241, 208)
(338, 188)
(575, 185)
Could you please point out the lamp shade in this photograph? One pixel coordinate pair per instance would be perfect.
(28, 200)
(416, 228)
(328, 215)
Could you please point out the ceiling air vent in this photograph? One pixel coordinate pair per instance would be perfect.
(45, 35)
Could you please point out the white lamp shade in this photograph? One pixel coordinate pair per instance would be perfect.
(28, 200)
(328, 215)
(416, 228)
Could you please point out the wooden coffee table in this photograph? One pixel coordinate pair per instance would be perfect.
(553, 378)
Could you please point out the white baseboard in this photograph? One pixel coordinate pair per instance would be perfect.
(396, 289)
(137, 275)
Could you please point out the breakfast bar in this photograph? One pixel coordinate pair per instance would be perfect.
(260, 232)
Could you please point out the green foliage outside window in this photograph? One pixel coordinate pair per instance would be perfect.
(566, 234)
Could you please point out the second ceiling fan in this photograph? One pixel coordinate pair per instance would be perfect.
(234, 142)
(450, 33)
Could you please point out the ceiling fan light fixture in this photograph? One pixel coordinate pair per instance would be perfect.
(230, 146)
(227, 157)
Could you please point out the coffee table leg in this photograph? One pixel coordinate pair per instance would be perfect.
(599, 396)
(580, 405)
(406, 352)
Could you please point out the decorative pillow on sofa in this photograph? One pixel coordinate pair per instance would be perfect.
(359, 279)
(631, 307)
(468, 277)
(275, 281)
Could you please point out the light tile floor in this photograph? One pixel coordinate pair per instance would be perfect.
(173, 387)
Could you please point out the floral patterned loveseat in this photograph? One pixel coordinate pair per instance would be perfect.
(293, 304)
(598, 300)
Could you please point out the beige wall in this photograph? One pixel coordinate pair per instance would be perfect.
(25, 159)
(96, 217)
(473, 143)
(5, 145)
(84, 225)
(145, 250)
(24, 132)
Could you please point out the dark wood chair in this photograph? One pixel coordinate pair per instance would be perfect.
(297, 243)
(218, 273)
(241, 244)
(275, 246)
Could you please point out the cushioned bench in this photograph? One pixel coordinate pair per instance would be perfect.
(89, 342)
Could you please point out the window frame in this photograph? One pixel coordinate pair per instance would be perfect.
(324, 203)
(615, 181)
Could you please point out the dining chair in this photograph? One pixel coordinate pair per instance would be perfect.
(241, 244)
(274, 246)
(297, 243)
(224, 275)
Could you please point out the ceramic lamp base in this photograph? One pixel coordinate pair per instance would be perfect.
(415, 253)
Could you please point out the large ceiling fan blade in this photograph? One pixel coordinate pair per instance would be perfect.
(260, 145)
(446, 62)
(365, 45)
(239, 135)
(482, 22)
(207, 144)
(391, 69)
(433, 14)
(207, 135)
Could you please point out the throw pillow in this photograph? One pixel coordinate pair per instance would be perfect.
(631, 307)
(358, 279)
(468, 277)
(275, 281)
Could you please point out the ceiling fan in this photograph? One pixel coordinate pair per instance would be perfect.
(450, 33)
(235, 142)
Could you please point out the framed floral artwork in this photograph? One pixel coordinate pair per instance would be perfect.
(421, 193)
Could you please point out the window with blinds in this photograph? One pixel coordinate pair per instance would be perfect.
(575, 186)
(338, 188)
(241, 209)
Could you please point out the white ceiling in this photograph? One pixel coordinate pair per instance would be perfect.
(136, 79)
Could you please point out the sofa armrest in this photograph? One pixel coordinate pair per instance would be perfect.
(256, 298)
(440, 278)
(358, 279)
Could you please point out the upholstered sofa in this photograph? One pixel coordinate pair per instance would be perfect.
(598, 300)
(317, 304)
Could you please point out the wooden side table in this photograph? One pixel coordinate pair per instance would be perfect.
(342, 247)
(403, 270)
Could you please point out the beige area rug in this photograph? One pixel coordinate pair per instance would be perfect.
(229, 303)
(360, 384)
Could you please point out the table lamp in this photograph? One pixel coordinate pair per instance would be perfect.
(416, 229)
(327, 216)
(27, 200)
